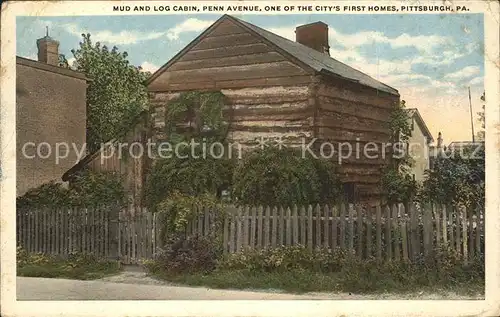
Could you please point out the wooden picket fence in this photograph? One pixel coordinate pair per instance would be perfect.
(88, 230)
(398, 232)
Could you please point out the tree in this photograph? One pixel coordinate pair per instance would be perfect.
(480, 134)
(397, 182)
(116, 94)
(457, 179)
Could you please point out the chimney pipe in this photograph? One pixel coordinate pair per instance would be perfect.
(313, 35)
(48, 50)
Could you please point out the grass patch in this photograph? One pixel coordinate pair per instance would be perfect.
(75, 266)
(295, 269)
(297, 282)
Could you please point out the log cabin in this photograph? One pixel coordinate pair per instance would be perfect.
(278, 88)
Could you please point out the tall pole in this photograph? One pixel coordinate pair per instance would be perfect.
(471, 118)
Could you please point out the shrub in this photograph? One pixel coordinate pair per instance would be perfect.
(285, 258)
(179, 209)
(187, 255)
(87, 189)
(273, 177)
(190, 176)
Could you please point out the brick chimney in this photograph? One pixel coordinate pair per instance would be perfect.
(48, 50)
(313, 35)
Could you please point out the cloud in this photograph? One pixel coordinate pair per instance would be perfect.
(116, 38)
(189, 25)
(464, 73)
(423, 43)
(477, 81)
(149, 67)
(133, 37)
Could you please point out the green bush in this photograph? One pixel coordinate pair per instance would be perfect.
(273, 177)
(286, 258)
(180, 209)
(190, 176)
(181, 255)
(75, 265)
(87, 189)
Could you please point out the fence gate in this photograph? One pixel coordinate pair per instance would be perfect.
(138, 236)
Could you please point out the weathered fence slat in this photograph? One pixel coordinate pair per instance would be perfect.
(465, 236)
(379, 232)
(267, 233)
(388, 238)
(288, 226)
(334, 226)
(470, 233)
(295, 225)
(342, 225)
(404, 234)
(246, 226)
(413, 232)
(317, 214)
(359, 220)
(436, 212)
(274, 236)
(369, 215)
(310, 227)
(397, 231)
(225, 237)
(326, 223)
(303, 225)
(351, 228)
(458, 231)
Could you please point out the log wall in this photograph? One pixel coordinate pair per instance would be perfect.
(358, 118)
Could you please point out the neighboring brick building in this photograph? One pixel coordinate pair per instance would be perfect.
(51, 108)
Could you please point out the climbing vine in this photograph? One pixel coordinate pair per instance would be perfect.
(196, 114)
(397, 182)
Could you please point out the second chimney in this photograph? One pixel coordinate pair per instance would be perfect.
(48, 50)
(313, 35)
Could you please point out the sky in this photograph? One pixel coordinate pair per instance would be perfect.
(430, 59)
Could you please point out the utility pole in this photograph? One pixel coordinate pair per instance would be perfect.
(471, 118)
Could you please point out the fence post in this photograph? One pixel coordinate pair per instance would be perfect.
(114, 224)
(342, 225)
(359, 219)
(471, 233)
(379, 231)
(404, 238)
(397, 232)
(369, 216)
(427, 228)
(388, 238)
(309, 228)
(413, 231)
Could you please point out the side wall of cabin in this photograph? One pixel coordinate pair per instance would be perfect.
(350, 116)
